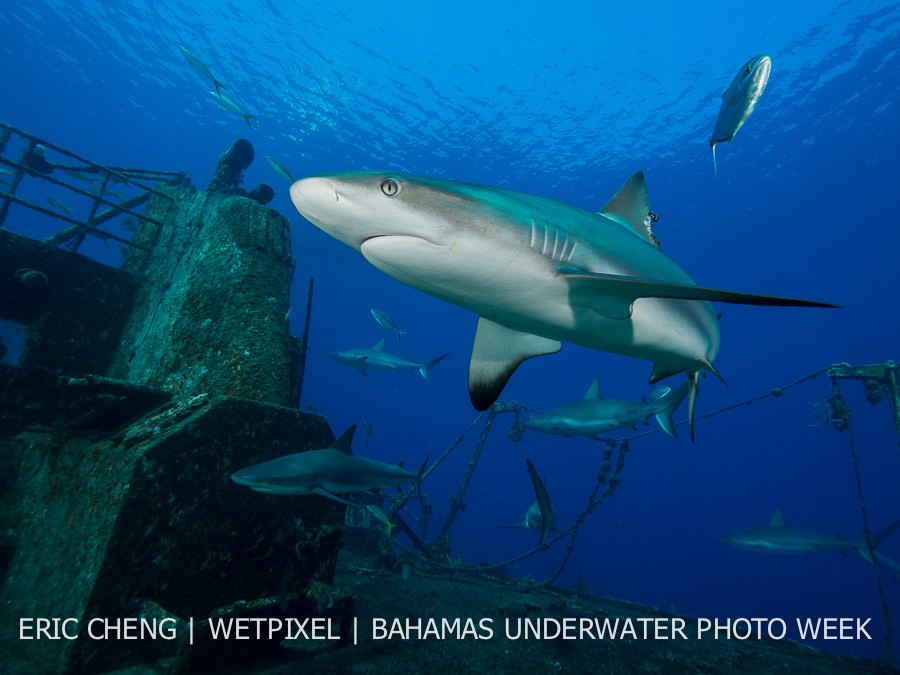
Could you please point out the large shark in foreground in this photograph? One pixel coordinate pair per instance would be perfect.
(536, 271)
(777, 537)
(595, 415)
(378, 359)
(740, 99)
(328, 472)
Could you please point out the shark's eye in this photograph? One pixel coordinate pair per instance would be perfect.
(390, 187)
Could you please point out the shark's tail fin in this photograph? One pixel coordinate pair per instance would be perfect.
(715, 168)
(881, 535)
(399, 333)
(882, 561)
(420, 474)
(666, 400)
(431, 364)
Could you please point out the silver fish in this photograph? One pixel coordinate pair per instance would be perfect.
(231, 106)
(739, 100)
(386, 322)
(201, 67)
(280, 168)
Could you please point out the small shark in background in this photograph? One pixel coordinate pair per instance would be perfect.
(540, 515)
(280, 168)
(778, 538)
(378, 359)
(328, 472)
(595, 415)
(739, 100)
(231, 106)
(386, 322)
(201, 67)
(535, 271)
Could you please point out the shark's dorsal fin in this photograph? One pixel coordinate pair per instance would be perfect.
(345, 441)
(378, 346)
(496, 353)
(777, 519)
(593, 391)
(630, 206)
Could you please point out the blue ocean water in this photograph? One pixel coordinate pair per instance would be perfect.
(565, 101)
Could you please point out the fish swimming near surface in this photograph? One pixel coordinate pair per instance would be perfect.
(386, 322)
(739, 100)
(595, 415)
(280, 168)
(378, 359)
(536, 271)
(231, 106)
(779, 538)
(201, 67)
(328, 472)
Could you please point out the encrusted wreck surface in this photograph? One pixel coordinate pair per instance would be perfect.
(211, 309)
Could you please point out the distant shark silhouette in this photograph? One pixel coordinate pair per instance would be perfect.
(778, 538)
(328, 472)
(378, 359)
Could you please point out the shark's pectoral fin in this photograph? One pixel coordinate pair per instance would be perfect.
(322, 492)
(496, 354)
(612, 295)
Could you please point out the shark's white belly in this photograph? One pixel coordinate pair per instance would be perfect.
(520, 288)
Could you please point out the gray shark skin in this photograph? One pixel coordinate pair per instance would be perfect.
(328, 472)
(536, 271)
(778, 538)
(378, 359)
(596, 415)
(739, 100)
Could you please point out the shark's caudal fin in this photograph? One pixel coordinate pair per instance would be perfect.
(423, 371)
(881, 535)
(694, 379)
(669, 399)
(548, 517)
(496, 353)
(715, 169)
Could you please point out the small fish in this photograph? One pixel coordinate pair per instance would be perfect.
(200, 67)
(231, 106)
(382, 516)
(280, 168)
(386, 322)
(53, 201)
(368, 428)
(78, 175)
(739, 100)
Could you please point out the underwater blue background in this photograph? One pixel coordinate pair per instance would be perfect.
(565, 100)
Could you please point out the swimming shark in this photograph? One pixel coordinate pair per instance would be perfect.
(328, 472)
(378, 359)
(778, 538)
(739, 100)
(536, 271)
(540, 515)
(594, 414)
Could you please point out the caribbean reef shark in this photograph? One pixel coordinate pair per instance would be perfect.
(378, 359)
(776, 537)
(536, 271)
(328, 472)
(594, 414)
(540, 515)
(739, 100)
